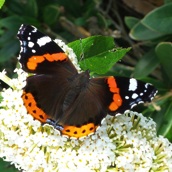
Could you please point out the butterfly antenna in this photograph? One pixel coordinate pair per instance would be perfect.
(82, 50)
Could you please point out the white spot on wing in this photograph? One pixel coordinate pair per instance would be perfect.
(133, 106)
(134, 96)
(126, 97)
(42, 41)
(132, 85)
(146, 85)
(33, 51)
(21, 50)
(34, 29)
(140, 102)
(30, 44)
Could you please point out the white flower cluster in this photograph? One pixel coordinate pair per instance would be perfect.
(69, 52)
(126, 143)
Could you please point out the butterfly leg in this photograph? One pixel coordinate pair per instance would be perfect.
(54, 124)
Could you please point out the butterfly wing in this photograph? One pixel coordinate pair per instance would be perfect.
(40, 54)
(89, 105)
(132, 92)
(53, 73)
(102, 96)
(46, 96)
(84, 115)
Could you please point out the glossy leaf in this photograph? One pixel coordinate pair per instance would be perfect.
(148, 62)
(6, 167)
(12, 22)
(92, 46)
(50, 14)
(154, 25)
(160, 19)
(98, 53)
(9, 50)
(1, 3)
(131, 21)
(143, 33)
(7, 36)
(24, 8)
(164, 54)
(102, 63)
(166, 124)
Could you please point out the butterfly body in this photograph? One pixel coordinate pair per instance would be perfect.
(72, 102)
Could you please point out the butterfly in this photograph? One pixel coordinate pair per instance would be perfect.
(72, 102)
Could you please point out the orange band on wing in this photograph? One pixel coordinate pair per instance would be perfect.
(116, 100)
(111, 82)
(113, 106)
(35, 60)
(32, 108)
(55, 57)
(77, 132)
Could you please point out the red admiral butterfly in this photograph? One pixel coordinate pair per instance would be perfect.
(72, 102)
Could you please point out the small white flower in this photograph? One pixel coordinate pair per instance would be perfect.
(70, 53)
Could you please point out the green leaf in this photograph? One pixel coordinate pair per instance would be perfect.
(166, 124)
(80, 21)
(7, 36)
(131, 21)
(102, 63)
(167, 1)
(1, 3)
(160, 19)
(31, 8)
(98, 53)
(12, 22)
(50, 14)
(154, 25)
(9, 50)
(92, 46)
(143, 33)
(164, 54)
(7, 167)
(24, 8)
(146, 64)
(73, 8)
(120, 70)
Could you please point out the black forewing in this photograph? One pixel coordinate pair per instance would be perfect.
(52, 79)
(29, 37)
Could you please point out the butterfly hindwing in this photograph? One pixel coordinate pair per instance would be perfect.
(48, 92)
(132, 93)
(89, 104)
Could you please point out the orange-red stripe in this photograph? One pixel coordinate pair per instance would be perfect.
(116, 100)
(34, 61)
